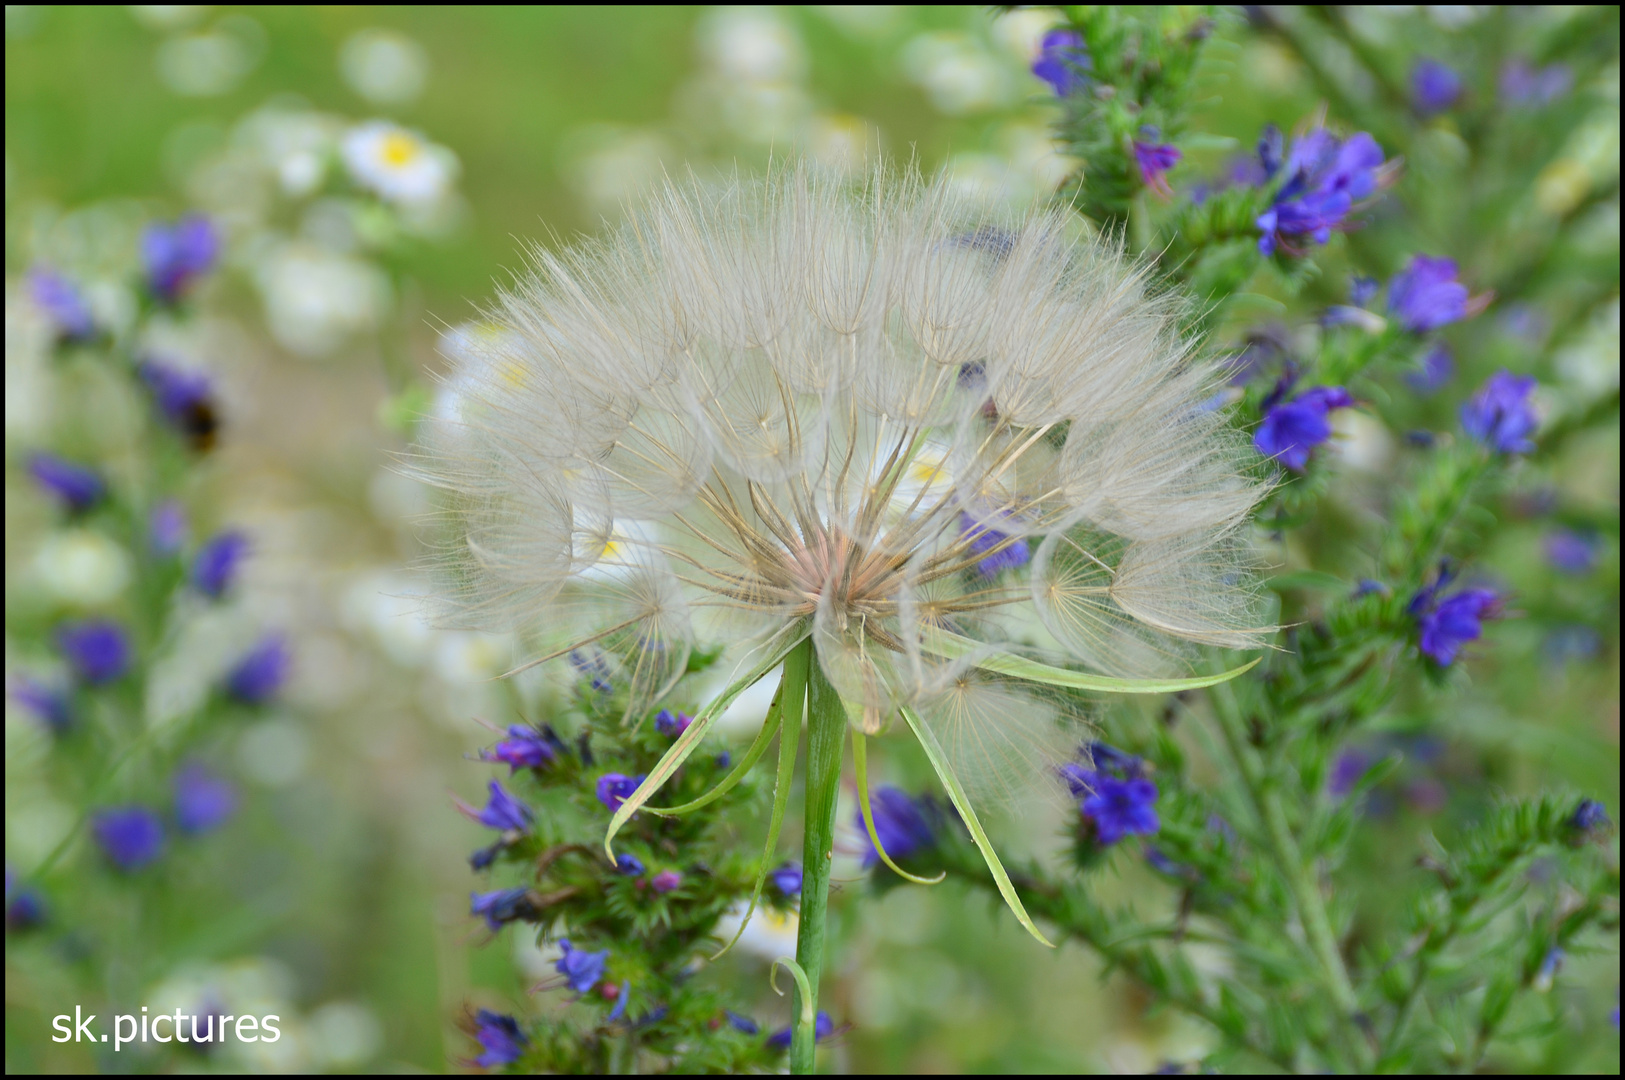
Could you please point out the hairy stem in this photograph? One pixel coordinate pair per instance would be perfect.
(826, 736)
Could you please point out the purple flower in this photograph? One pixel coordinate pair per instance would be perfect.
(1292, 429)
(1346, 772)
(1154, 160)
(215, 566)
(1572, 552)
(823, 1028)
(1522, 85)
(666, 881)
(75, 486)
(1438, 365)
(526, 748)
(581, 969)
(1063, 59)
(1326, 176)
(1426, 295)
(614, 789)
(1434, 87)
(130, 836)
(501, 1038)
(501, 906)
(97, 650)
(1120, 808)
(594, 667)
(996, 550)
(485, 856)
(902, 823)
(203, 801)
(502, 811)
(742, 1024)
(672, 726)
(25, 907)
(60, 300)
(1271, 150)
(787, 879)
(166, 528)
(1361, 289)
(185, 399)
(175, 255)
(260, 673)
(1500, 415)
(1448, 623)
(1589, 816)
(50, 705)
(629, 865)
(1550, 965)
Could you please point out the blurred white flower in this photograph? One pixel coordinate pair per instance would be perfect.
(608, 166)
(398, 164)
(751, 43)
(211, 62)
(862, 20)
(466, 656)
(167, 16)
(956, 72)
(78, 566)
(389, 608)
(844, 144)
(1021, 32)
(770, 935)
(315, 299)
(343, 1034)
(29, 337)
(383, 66)
(273, 752)
(294, 143)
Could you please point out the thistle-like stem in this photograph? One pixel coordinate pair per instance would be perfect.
(826, 736)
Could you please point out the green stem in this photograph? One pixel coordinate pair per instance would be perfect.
(826, 734)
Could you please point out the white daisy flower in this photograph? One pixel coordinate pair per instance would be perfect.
(398, 164)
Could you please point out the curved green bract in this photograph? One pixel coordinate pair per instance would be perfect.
(860, 764)
(955, 647)
(687, 743)
(806, 1017)
(757, 748)
(792, 695)
(945, 773)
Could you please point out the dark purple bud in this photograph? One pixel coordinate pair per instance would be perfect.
(1434, 87)
(1271, 150)
(499, 1036)
(175, 255)
(742, 1024)
(1153, 161)
(902, 823)
(1120, 808)
(1524, 85)
(166, 528)
(502, 906)
(130, 836)
(1572, 552)
(581, 969)
(787, 878)
(215, 566)
(1589, 817)
(629, 865)
(615, 788)
(1501, 416)
(97, 650)
(75, 486)
(185, 400)
(203, 801)
(666, 881)
(259, 675)
(25, 909)
(50, 705)
(61, 302)
(672, 726)
(823, 1028)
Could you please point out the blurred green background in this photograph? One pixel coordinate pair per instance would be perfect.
(342, 891)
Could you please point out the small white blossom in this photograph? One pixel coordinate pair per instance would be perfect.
(398, 164)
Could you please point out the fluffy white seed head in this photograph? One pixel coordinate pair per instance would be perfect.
(793, 402)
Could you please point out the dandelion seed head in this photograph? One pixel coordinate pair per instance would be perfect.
(745, 415)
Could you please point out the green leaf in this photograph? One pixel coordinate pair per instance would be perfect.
(954, 647)
(945, 773)
(859, 760)
(687, 743)
(752, 756)
(793, 696)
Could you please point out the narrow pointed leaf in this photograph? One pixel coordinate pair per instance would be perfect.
(859, 756)
(954, 646)
(758, 747)
(794, 691)
(945, 773)
(685, 745)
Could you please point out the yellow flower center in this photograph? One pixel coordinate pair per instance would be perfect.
(398, 149)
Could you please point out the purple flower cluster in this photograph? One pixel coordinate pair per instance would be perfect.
(1326, 177)
(582, 970)
(996, 550)
(499, 1036)
(1501, 416)
(130, 836)
(76, 487)
(257, 677)
(672, 726)
(1435, 87)
(185, 400)
(1063, 62)
(1115, 806)
(903, 824)
(526, 748)
(62, 303)
(1446, 623)
(1292, 429)
(176, 255)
